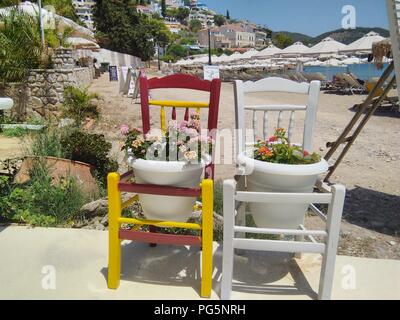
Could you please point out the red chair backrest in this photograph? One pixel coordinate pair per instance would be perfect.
(181, 81)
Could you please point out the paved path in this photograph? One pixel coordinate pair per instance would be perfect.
(79, 259)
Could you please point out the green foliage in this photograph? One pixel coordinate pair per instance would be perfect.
(47, 144)
(64, 8)
(121, 28)
(41, 201)
(180, 14)
(228, 16)
(20, 46)
(278, 149)
(8, 3)
(219, 20)
(77, 104)
(218, 197)
(74, 144)
(282, 40)
(177, 51)
(15, 132)
(163, 8)
(195, 25)
(89, 148)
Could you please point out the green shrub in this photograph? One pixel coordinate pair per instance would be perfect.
(77, 104)
(41, 202)
(90, 148)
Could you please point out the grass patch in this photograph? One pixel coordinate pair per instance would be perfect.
(14, 132)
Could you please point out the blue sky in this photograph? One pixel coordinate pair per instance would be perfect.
(311, 17)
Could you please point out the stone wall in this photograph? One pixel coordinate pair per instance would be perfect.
(44, 89)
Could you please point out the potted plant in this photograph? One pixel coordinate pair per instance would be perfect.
(175, 158)
(276, 165)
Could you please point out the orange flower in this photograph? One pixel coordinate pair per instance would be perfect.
(265, 151)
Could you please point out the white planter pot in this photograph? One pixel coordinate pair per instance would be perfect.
(174, 173)
(275, 177)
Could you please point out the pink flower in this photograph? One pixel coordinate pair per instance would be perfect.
(124, 129)
(183, 124)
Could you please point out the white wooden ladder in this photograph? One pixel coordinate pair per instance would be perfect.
(393, 9)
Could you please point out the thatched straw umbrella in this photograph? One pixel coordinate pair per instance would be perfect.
(381, 50)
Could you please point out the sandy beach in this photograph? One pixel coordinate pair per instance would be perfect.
(370, 171)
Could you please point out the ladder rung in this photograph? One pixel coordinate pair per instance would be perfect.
(330, 144)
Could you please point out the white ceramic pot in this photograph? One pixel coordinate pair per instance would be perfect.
(275, 177)
(163, 173)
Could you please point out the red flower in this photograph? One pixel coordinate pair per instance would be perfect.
(273, 139)
(306, 153)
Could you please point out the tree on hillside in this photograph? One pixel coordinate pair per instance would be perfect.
(282, 40)
(219, 20)
(121, 28)
(163, 8)
(195, 25)
(64, 8)
(182, 14)
(228, 17)
(8, 3)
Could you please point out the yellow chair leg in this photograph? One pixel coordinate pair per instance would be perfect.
(114, 244)
(207, 237)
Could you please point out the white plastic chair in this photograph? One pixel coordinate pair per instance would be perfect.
(235, 195)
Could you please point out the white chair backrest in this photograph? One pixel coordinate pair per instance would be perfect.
(274, 84)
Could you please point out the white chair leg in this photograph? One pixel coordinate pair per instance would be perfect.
(298, 255)
(241, 220)
(333, 228)
(228, 250)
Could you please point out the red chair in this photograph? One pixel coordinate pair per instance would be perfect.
(117, 184)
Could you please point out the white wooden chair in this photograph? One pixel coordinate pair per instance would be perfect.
(235, 195)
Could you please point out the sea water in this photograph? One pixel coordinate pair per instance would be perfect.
(364, 71)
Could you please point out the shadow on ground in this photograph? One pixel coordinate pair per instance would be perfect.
(373, 210)
(254, 272)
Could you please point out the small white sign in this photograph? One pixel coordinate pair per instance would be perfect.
(127, 81)
(211, 72)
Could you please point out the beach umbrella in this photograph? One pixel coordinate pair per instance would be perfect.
(295, 49)
(315, 63)
(51, 19)
(364, 44)
(351, 60)
(332, 63)
(268, 52)
(235, 56)
(249, 54)
(326, 46)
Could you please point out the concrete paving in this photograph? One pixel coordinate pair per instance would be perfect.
(43, 263)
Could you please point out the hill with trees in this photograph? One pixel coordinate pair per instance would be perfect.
(341, 35)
